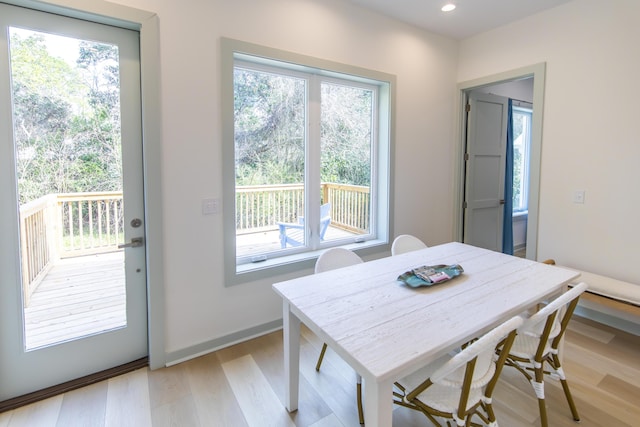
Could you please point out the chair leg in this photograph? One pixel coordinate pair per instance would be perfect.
(538, 386)
(565, 387)
(359, 397)
(543, 413)
(572, 405)
(324, 348)
(491, 416)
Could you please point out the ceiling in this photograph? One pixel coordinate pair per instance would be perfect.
(469, 18)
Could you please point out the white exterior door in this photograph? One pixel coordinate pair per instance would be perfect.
(485, 170)
(72, 255)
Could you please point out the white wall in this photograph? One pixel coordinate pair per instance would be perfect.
(199, 308)
(590, 133)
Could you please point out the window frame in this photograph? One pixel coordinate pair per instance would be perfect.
(382, 158)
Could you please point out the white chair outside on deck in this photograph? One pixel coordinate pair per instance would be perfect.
(332, 259)
(292, 233)
(459, 386)
(537, 343)
(406, 243)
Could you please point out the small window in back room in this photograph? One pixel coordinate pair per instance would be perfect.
(521, 148)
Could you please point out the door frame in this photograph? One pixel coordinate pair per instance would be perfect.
(537, 71)
(146, 23)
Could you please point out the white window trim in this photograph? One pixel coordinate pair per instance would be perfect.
(233, 50)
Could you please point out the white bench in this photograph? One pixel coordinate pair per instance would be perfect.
(613, 293)
(613, 297)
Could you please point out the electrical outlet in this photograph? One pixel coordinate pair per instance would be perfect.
(210, 206)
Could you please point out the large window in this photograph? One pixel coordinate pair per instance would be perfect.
(311, 156)
(521, 148)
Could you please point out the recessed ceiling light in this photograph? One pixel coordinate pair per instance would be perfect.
(448, 7)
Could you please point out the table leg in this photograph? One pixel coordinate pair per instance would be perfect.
(378, 403)
(291, 326)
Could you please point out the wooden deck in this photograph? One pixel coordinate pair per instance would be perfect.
(78, 297)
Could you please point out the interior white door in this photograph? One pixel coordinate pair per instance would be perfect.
(485, 170)
(72, 255)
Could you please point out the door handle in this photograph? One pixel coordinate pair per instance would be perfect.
(134, 243)
(502, 202)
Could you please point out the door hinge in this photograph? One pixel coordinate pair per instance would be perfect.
(466, 157)
(468, 108)
(464, 205)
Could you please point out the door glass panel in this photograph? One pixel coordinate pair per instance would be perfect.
(66, 116)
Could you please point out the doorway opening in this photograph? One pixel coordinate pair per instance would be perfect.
(73, 138)
(524, 84)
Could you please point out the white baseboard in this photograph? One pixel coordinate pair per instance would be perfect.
(179, 356)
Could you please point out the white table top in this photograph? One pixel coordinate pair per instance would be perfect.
(385, 329)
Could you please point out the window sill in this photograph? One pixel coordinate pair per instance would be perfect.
(295, 263)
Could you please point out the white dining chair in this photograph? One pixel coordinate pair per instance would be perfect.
(537, 343)
(459, 386)
(406, 243)
(332, 259)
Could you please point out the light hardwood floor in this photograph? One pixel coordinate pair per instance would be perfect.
(243, 386)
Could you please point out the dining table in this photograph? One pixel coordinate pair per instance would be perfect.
(385, 329)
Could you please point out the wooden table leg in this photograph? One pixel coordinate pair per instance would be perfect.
(378, 403)
(291, 326)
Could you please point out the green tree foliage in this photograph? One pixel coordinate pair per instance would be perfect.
(66, 118)
(270, 130)
(518, 128)
(346, 134)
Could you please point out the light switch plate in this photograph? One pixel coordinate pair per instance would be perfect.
(578, 196)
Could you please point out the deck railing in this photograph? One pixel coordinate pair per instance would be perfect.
(66, 225)
(37, 234)
(74, 224)
(260, 207)
(90, 223)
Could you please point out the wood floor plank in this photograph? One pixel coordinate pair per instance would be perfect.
(181, 412)
(328, 421)
(339, 394)
(42, 414)
(84, 407)
(622, 389)
(592, 331)
(617, 349)
(268, 354)
(128, 403)
(213, 398)
(259, 404)
(242, 386)
(600, 359)
(168, 385)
